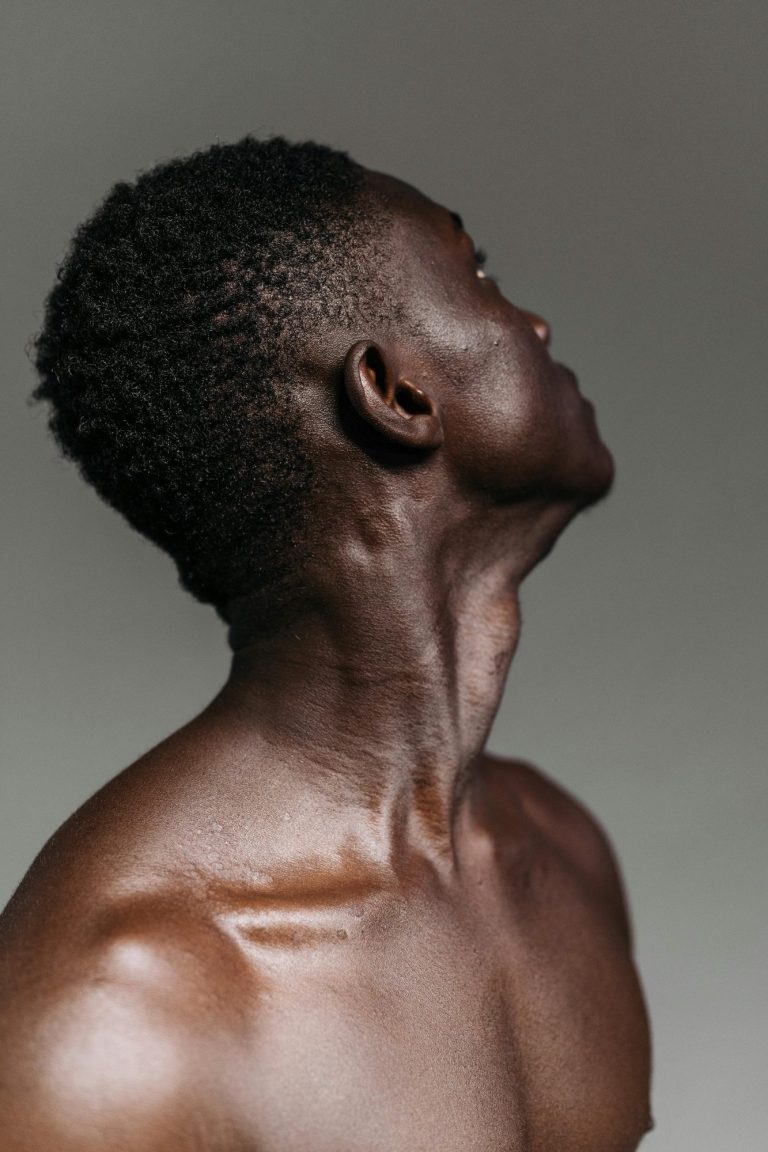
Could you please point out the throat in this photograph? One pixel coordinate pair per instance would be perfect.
(383, 707)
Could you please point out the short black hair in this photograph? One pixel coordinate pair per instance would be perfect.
(170, 335)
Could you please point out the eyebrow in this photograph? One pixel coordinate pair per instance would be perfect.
(458, 223)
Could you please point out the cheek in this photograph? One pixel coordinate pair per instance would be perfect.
(504, 410)
(518, 395)
(510, 425)
(500, 437)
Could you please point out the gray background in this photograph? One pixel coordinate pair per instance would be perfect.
(611, 157)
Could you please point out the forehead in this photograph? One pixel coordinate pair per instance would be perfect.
(431, 270)
(413, 212)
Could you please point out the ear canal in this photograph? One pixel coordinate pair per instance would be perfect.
(411, 399)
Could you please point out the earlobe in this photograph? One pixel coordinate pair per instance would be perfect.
(396, 408)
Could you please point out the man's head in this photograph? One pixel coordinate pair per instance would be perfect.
(198, 304)
(175, 333)
(512, 421)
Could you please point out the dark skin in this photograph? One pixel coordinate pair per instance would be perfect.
(321, 917)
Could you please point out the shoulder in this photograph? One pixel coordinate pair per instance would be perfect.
(123, 1044)
(569, 825)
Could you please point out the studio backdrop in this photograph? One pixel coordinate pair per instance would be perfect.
(611, 158)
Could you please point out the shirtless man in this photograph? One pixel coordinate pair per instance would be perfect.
(320, 917)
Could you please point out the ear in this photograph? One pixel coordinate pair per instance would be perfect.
(398, 410)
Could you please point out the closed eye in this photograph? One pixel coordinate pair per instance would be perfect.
(480, 270)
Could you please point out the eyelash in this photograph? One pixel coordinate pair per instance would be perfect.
(480, 260)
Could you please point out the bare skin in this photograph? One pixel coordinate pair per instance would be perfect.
(320, 916)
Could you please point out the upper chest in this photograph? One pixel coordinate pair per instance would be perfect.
(507, 1018)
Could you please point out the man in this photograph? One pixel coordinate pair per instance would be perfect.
(320, 916)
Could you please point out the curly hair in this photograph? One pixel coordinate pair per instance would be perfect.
(169, 340)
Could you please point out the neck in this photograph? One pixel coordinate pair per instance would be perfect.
(387, 687)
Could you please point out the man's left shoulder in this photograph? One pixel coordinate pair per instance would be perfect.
(568, 825)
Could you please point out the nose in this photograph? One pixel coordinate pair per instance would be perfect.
(539, 325)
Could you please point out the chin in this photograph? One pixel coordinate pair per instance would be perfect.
(588, 476)
(582, 465)
(603, 468)
(594, 469)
